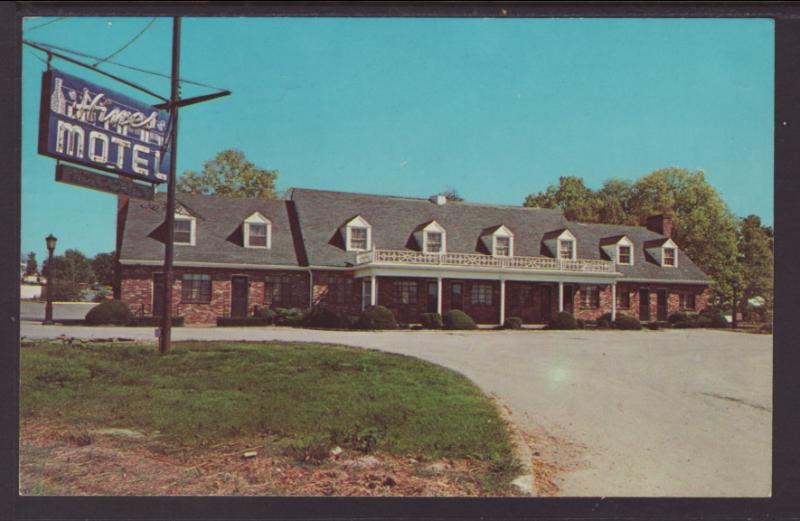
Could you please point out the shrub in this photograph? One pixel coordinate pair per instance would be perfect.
(653, 325)
(699, 321)
(377, 317)
(678, 317)
(457, 319)
(431, 321)
(324, 316)
(765, 328)
(681, 325)
(110, 312)
(563, 320)
(270, 315)
(289, 316)
(715, 318)
(242, 321)
(512, 323)
(605, 322)
(627, 322)
(580, 323)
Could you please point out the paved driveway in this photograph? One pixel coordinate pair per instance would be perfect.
(653, 413)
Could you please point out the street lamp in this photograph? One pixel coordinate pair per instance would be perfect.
(736, 286)
(48, 309)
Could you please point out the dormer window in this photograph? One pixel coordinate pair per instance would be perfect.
(357, 234)
(566, 249)
(624, 255)
(433, 242)
(184, 230)
(257, 232)
(669, 257)
(502, 246)
(498, 240)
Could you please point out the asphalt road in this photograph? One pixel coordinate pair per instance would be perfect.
(653, 413)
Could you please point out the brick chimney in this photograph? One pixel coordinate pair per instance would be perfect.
(660, 223)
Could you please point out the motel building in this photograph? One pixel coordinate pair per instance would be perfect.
(413, 256)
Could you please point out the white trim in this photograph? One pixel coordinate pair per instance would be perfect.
(257, 218)
(192, 229)
(469, 273)
(662, 281)
(356, 222)
(421, 237)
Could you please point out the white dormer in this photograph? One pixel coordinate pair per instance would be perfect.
(185, 228)
(357, 233)
(499, 241)
(619, 249)
(432, 238)
(257, 232)
(664, 251)
(562, 244)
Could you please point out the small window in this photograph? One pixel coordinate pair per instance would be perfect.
(366, 293)
(183, 231)
(566, 249)
(623, 298)
(196, 288)
(669, 256)
(277, 290)
(358, 238)
(687, 301)
(405, 292)
(591, 297)
(434, 242)
(258, 235)
(624, 254)
(481, 294)
(502, 246)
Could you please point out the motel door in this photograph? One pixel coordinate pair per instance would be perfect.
(432, 297)
(569, 299)
(644, 304)
(239, 288)
(457, 295)
(547, 303)
(661, 312)
(158, 294)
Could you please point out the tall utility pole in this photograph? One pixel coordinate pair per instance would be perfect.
(165, 338)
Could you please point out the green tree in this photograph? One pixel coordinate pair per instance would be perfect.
(754, 243)
(103, 268)
(231, 174)
(614, 202)
(572, 196)
(71, 270)
(451, 194)
(31, 266)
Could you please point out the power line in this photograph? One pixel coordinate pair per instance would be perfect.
(130, 42)
(45, 24)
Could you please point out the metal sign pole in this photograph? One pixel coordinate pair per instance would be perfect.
(164, 339)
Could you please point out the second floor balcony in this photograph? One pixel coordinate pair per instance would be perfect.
(476, 260)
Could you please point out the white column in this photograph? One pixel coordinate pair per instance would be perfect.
(439, 295)
(373, 287)
(614, 301)
(502, 301)
(560, 297)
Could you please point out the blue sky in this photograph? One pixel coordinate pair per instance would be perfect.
(496, 108)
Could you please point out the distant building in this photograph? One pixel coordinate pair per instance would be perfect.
(411, 255)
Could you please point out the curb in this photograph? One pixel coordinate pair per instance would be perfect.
(525, 482)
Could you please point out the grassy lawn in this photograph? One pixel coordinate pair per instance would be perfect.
(309, 397)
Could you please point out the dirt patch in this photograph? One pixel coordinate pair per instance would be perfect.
(552, 454)
(59, 460)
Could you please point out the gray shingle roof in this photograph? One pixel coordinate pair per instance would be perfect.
(219, 231)
(394, 220)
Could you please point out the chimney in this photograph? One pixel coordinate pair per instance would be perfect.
(660, 223)
(439, 199)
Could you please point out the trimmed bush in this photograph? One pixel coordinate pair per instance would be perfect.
(678, 317)
(627, 322)
(605, 322)
(377, 317)
(324, 316)
(110, 312)
(242, 321)
(270, 315)
(563, 320)
(580, 323)
(652, 325)
(715, 318)
(431, 321)
(457, 319)
(512, 323)
(681, 325)
(289, 316)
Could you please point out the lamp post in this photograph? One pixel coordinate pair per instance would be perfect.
(48, 309)
(736, 286)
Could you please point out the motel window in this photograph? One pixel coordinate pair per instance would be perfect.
(591, 297)
(669, 256)
(502, 246)
(433, 242)
(566, 249)
(183, 231)
(623, 297)
(339, 291)
(687, 301)
(624, 254)
(257, 235)
(196, 288)
(277, 290)
(366, 293)
(405, 292)
(358, 238)
(481, 294)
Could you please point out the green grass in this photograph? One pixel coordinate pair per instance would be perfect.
(312, 396)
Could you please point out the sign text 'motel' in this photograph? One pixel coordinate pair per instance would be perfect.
(84, 123)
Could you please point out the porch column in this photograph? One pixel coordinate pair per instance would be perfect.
(373, 288)
(439, 295)
(614, 301)
(502, 301)
(560, 297)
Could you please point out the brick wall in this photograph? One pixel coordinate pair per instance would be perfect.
(338, 289)
(673, 298)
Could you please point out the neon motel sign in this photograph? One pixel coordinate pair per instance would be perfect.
(83, 123)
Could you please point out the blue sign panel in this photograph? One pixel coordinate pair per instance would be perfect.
(84, 123)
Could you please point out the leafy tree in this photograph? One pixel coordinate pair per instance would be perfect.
(614, 198)
(71, 270)
(31, 266)
(578, 202)
(231, 174)
(103, 268)
(452, 195)
(756, 260)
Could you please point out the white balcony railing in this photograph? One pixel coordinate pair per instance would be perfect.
(403, 257)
